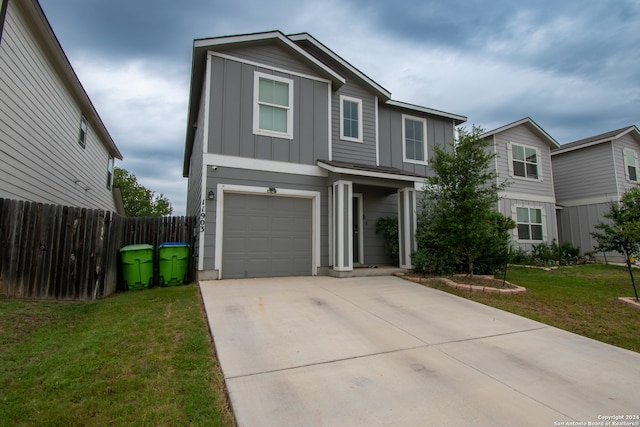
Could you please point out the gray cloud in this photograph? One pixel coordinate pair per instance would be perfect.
(572, 66)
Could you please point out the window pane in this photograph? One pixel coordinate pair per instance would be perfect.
(523, 215)
(631, 160)
(523, 232)
(532, 171)
(536, 216)
(518, 152)
(531, 155)
(632, 173)
(536, 232)
(273, 92)
(350, 119)
(518, 168)
(414, 139)
(273, 118)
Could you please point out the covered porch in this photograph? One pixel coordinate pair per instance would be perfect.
(358, 196)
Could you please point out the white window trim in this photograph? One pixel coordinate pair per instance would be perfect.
(543, 215)
(358, 101)
(256, 106)
(404, 141)
(510, 158)
(84, 130)
(626, 164)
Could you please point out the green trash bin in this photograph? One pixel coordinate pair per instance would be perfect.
(174, 263)
(137, 266)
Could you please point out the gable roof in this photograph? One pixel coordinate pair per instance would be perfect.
(42, 28)
(599, 139)
(319, 57)
(308, 42)
(532, 126)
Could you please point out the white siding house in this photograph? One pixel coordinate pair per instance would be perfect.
(54, 148)
(523, 159)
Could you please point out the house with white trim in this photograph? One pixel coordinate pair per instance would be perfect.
(589, 175)
(293, 154)
(54, 147)
(523, 158)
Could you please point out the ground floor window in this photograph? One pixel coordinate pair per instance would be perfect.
(529, 222)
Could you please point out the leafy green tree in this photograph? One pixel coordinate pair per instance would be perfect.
(622, 233)
(139, 200)
(460, 201)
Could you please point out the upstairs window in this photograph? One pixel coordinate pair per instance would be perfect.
(273, 106)
(630, 165)
(351, 119)
(82, 138)
(414, 135)
(529, 221)
(110, 173)
(524, 161)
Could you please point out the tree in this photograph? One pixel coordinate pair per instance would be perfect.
(622, 233)
(459, 205)
(139, 200)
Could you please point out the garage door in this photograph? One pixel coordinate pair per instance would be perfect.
(266, 236)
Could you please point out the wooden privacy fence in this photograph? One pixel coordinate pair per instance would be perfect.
(61, 252)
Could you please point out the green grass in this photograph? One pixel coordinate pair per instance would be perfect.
(138, 358)
(581, 299)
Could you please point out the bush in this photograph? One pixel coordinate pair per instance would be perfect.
(553, 253)
(388, 227)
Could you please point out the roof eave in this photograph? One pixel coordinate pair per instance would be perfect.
(458, 119)
(532, 124)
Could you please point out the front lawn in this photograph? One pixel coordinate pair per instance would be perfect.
(580, 299)
(138, 358)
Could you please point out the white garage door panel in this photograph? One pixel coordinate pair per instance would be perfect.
(266, 236)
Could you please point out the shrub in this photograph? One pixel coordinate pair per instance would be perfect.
(388, 227)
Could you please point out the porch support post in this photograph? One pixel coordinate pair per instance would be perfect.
(342, 225)
(407, 223)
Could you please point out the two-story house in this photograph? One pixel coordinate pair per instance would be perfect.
(54, 148)
(589, 175)
(523, 158)
(293, 154)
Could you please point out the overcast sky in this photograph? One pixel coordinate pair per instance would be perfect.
(572, 66)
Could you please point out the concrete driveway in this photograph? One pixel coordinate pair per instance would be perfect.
(373, 351)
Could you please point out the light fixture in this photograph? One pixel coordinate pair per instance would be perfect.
(211, 195)
(272, 190)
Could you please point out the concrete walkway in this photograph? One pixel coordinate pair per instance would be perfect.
(381, 351)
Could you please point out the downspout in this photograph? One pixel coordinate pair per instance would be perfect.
(3, 16)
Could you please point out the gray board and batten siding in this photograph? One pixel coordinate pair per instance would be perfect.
(41, 104)
(231, 113)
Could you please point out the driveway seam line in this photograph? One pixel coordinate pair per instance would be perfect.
(326, 362)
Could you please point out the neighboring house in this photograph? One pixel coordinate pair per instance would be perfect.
(54, 147)
(293, 154)
(523, 159)
(589, 175)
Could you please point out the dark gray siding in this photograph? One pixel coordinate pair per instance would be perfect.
(378, 203)
(263, 179)
(357, 152)
(585, 173)
(440, 132)
(231, 116)
(40, 157)
(194, 191)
